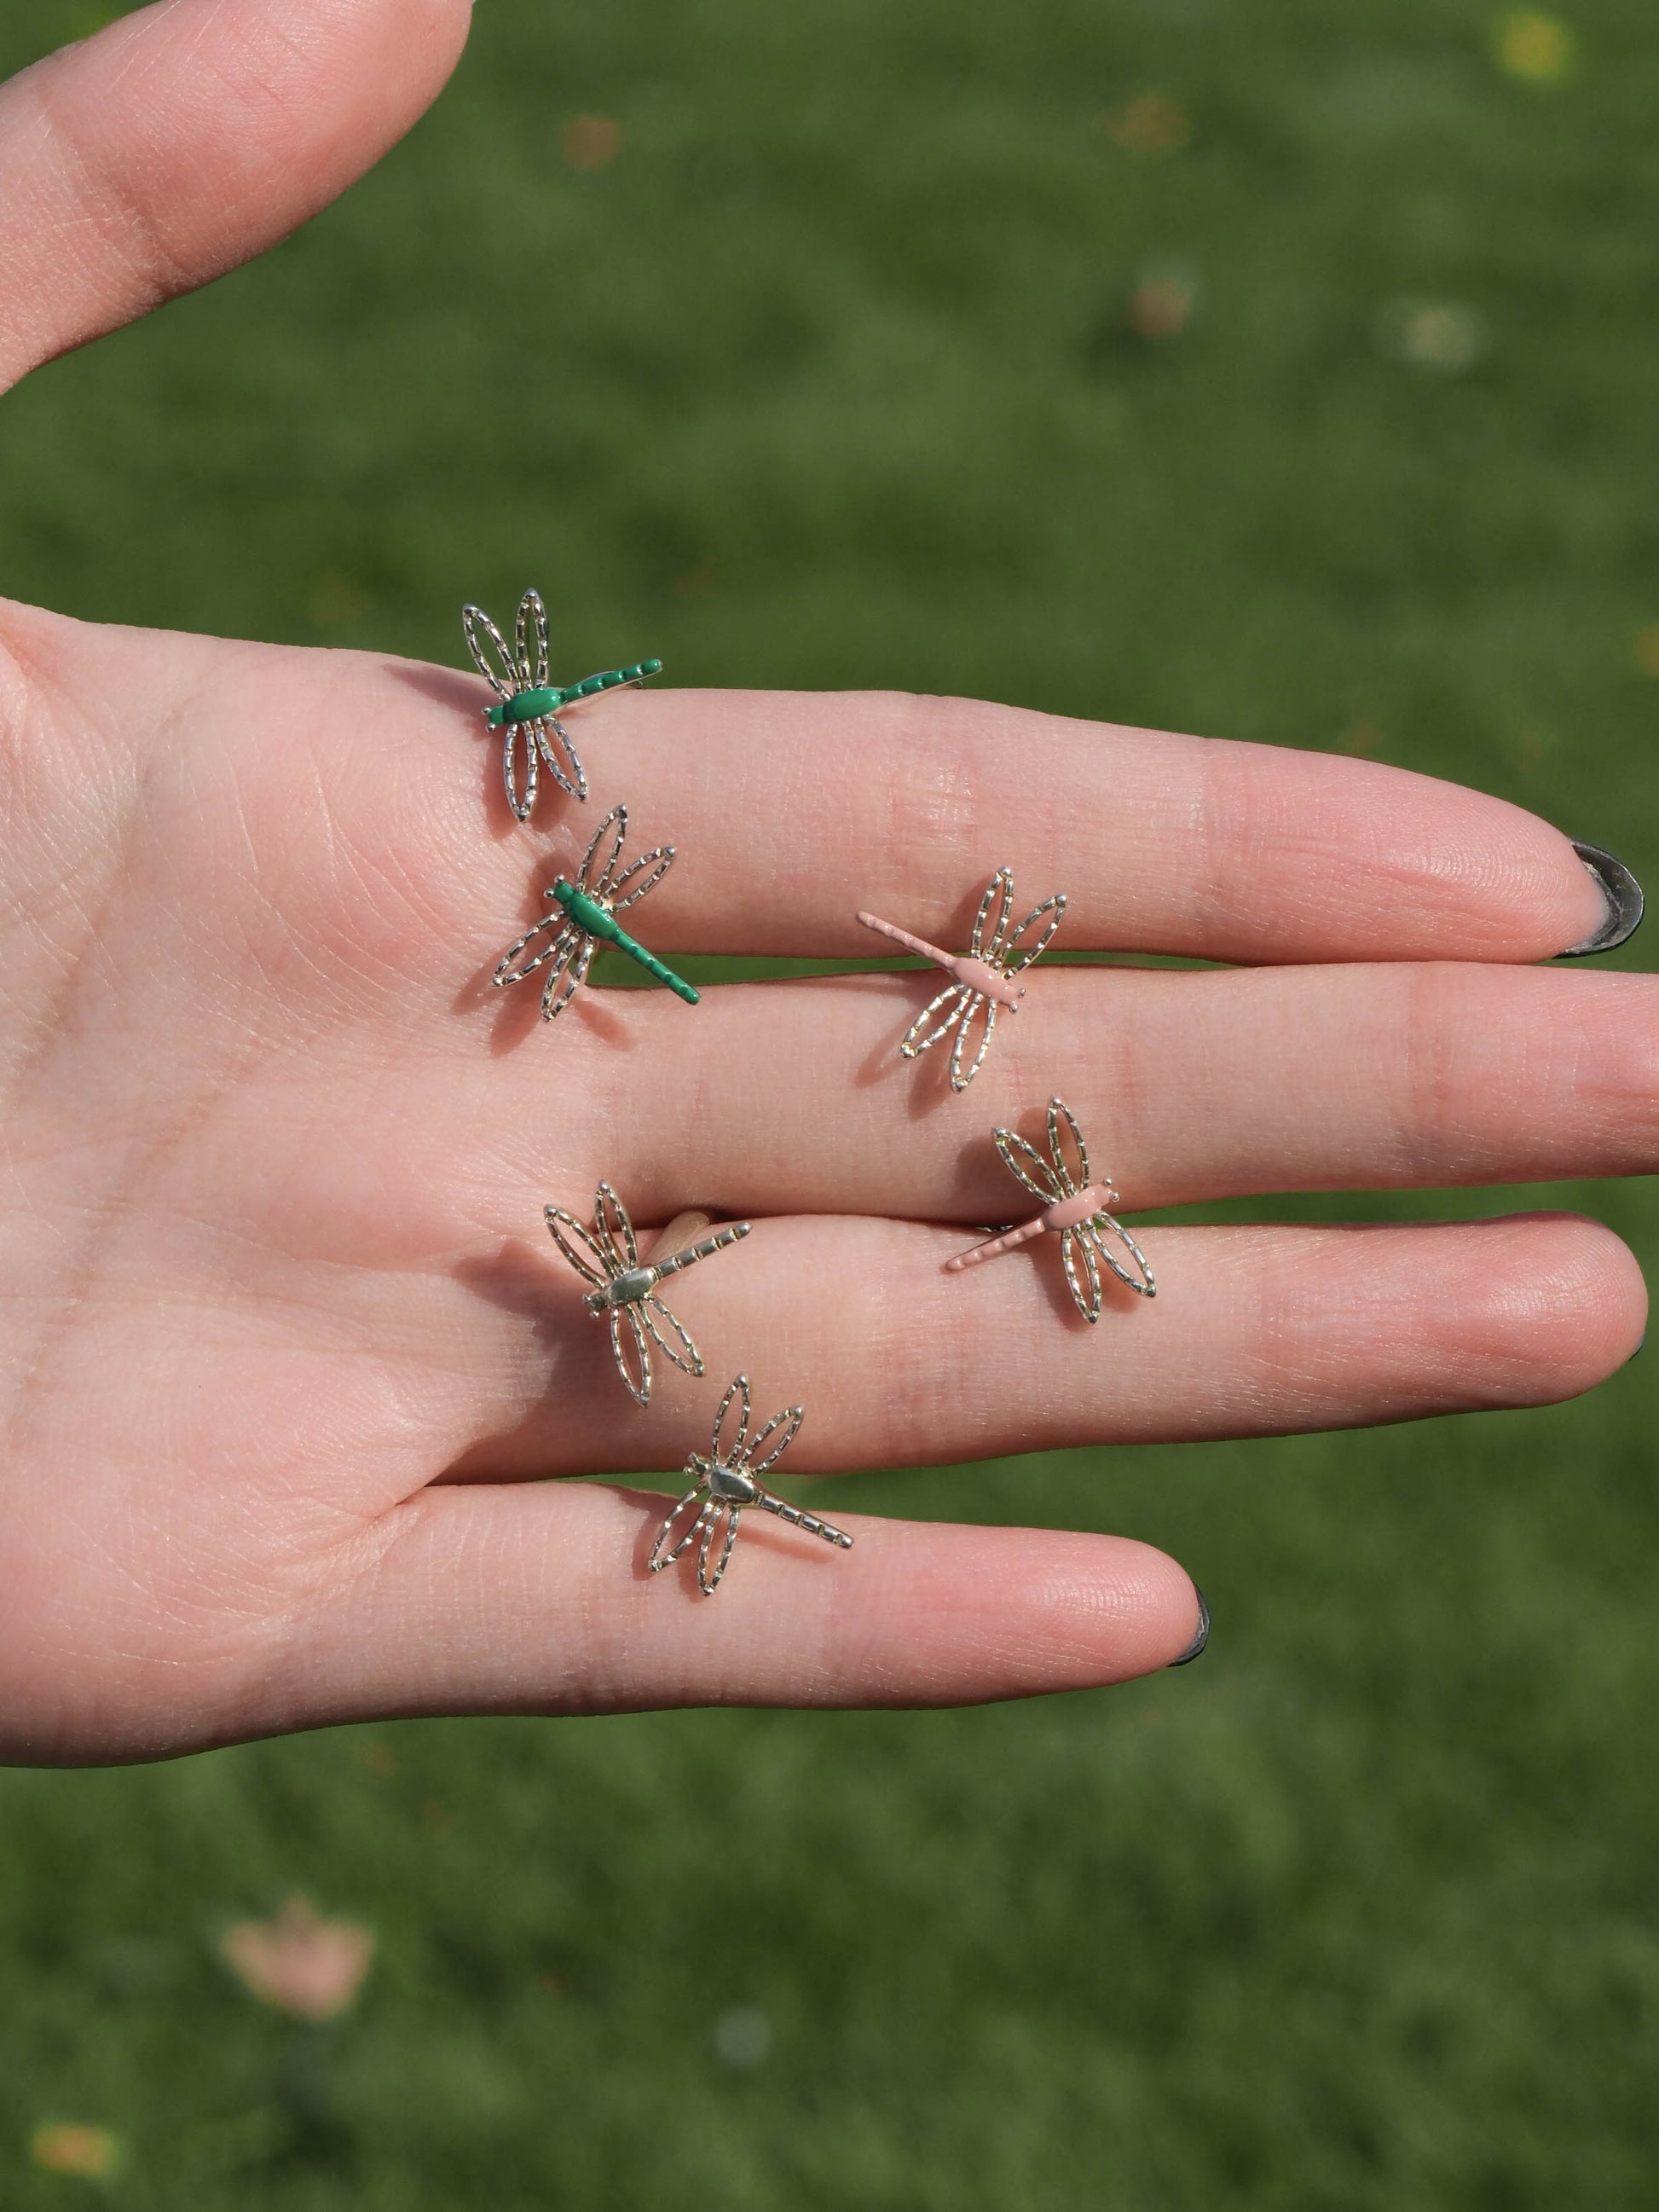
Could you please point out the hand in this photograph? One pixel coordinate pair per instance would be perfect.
(282, 1336)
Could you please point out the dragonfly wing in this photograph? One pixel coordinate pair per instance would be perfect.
(594, 875)
(708, 1583)
(513, 966)
(690, 1506)
(557, 996)
(785, 1427)
(676, 1345)
(643, 875)
(993, 909)
(490, 654)
(1074, 1248)
(920, 1036)
(631, 1353)
(519, 784)
(577, 1245)
(1103, 1233)
(973, 1041)
(563, 761)
(729, 1448)
(1028, 942)
(530, 634)
(1027, 1165)
(1066, 1148)
(616, 1231)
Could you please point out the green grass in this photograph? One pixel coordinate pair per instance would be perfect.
(833, 377)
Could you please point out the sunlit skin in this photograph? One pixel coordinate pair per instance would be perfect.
(284, 1339)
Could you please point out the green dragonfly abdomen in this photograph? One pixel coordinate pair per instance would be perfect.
(546, 699)
(598, 921)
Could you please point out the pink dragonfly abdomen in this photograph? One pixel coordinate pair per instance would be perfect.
(961, 967)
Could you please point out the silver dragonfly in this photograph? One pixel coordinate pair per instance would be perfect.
(608, 1257)
(981, 978)
(725, 1483)
(528, 702)
(1072, 1205)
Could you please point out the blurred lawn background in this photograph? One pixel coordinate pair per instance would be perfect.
(1271, 369)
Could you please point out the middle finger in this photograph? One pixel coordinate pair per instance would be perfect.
(792, 1097)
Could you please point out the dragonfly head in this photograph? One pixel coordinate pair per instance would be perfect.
(729, 1484)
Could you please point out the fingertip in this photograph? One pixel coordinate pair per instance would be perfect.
(1561, 1306)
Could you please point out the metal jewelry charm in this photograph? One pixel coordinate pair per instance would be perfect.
(981, 978)
(527, 701)
(586, 911)
(725, 1483)
(1074, 1207)
(608, 1257)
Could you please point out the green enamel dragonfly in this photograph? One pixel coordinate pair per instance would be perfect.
(528, 703)
(587, 913)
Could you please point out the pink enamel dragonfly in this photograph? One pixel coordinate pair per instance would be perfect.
(981, 978)
(1071, 1205)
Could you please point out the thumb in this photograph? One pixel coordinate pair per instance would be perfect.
(188, 137)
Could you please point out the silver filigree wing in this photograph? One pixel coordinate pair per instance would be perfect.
(569, 949)
(578, 1246)
(562, 761)
(503, 673)
(1097, 1238)
(1027, 1165)
(693, 1506)
(999, 896)
(631, 1351)
(785, 1427)
(1066, 1148)
(671, 1336)
(922, 1032)
(565, 980)
(708, 1583)
(972, 1039)
(594, 875)
(726, 1447)
(530, 636)
(613, 1229)
(640, 876)
(554, 928)
(1074, 1247)
(1028, 942)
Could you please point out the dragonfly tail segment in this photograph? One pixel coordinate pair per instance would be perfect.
(911, 942)
(587, 913)
(610, 680)
(541, 699)
(796, 1519)
(1010, 1241)
(703, 1248)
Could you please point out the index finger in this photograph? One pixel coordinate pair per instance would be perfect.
(793, 810)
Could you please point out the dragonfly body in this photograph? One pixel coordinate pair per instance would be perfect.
(962, 967)
(587, 912)
(637, 1283)
(725, 1483)
(1075, 1209)
(598, 920)
(982, 979)
(545, 699)
(528, 703)
(607, 1256)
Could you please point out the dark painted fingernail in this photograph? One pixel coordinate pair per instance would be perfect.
(1196, 1648)
(1640, 1341)
(1623, 894)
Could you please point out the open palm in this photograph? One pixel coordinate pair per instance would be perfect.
(284, 1337)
